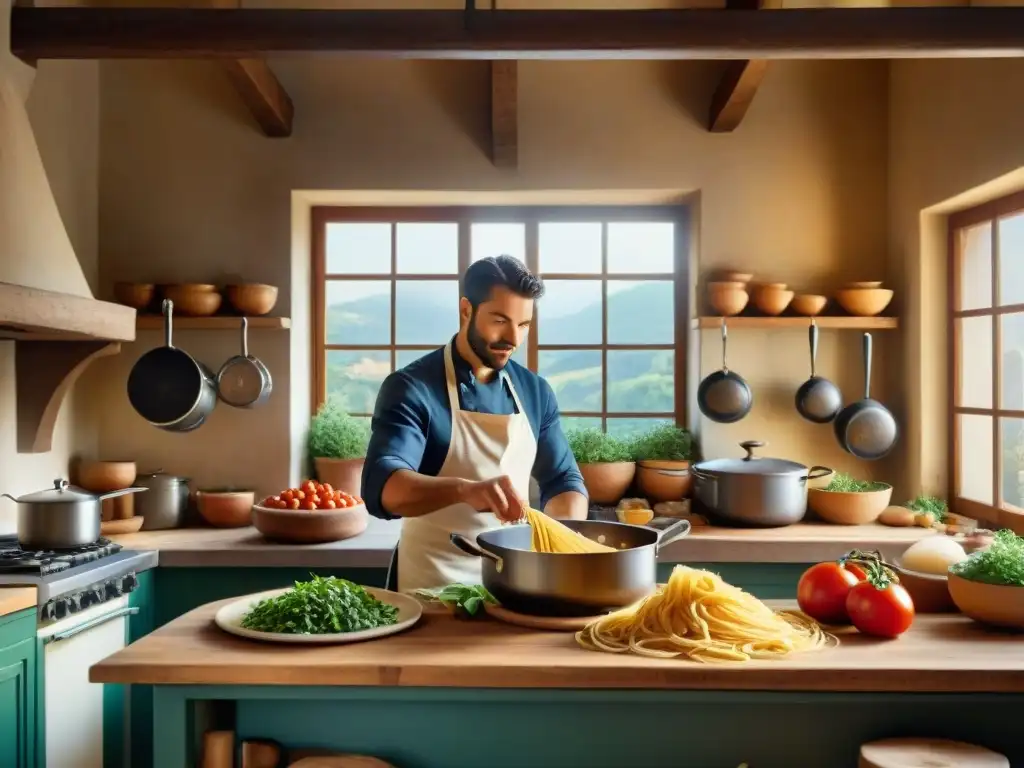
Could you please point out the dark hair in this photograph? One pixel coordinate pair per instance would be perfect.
(482, 276)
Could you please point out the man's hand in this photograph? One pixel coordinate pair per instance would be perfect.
(495, 495)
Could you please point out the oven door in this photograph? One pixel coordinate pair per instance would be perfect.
(73, 705)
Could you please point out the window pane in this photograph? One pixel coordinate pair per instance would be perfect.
(359, 249)
(641, 381)
(1012, 437)
(640, 312)
(570, 312)
(575, 376)
(497, 239)
(976, 267)
(1011, 259)
(358, 311)
(426, 311)
(621, 427)
(1011, 353)
(975, 449)
(975, 345)
(641, 247)
(405, 356)
(569, 248)
(354, 377)
(580, 422)
(428, 248)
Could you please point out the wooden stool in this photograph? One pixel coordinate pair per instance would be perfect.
(928, 753)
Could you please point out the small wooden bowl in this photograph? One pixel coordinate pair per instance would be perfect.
(772, 300)
(994, 604)
(226, 508)
(728, 301)
(252, 299)
(848, 508)
(808, 304)
(864, 302)
(137, 295)
(194, 299)
(310, 527)
(105, 476)
(929, 591)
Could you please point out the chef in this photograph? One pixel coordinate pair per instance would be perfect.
(458, 433)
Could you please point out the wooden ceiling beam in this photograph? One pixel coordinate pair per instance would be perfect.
(505, 113)
(739, 82)
(263, 94)
(805, 33)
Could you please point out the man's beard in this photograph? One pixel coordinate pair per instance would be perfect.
(482, 349)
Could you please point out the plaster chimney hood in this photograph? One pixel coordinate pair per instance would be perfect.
(46, 305)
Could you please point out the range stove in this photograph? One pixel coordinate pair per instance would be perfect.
(70, 581)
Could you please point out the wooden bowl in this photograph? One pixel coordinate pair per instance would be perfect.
(663, 480)
(848, 508)
(994, 604)
(310, 527)
(808, 304)
(194, 299)
(728, 301)
(606, 483)
(772, 300)
(137, 295)
(252, 299)
(864, 302)
(226, 508)
(930, 592)
(104, 476)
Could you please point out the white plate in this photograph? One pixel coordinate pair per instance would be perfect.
(229, 618)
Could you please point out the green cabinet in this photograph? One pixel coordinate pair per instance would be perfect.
(18, 686)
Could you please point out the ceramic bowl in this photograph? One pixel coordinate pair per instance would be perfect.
(994, 604)
(808, 304)
(771, 299)
(727, 302)
(252, 299)
(849, 508)
(864, 302)
(226, 508)
(316, 526)
(929, 591)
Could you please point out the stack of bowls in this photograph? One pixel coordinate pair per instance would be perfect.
(864, 299)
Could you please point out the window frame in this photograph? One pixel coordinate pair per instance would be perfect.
(531, 216)
(990, 212)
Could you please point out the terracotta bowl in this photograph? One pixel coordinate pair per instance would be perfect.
(772, 300)
(663, 480)
(930, 592)
(738, 277)
(252, 299)
(808, 304)
(998, 605)
(226, 508)
(137, 295)
(194, 299)
(607, 483)
(104, 476)
(864, 302)
(842, 508)
(310, 527)
(728, 302)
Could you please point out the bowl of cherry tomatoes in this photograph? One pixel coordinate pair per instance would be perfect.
(310, 513)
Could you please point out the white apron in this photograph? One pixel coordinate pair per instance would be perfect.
(483, 446)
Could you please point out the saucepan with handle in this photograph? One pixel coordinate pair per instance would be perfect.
(244, 381)
(546, 584)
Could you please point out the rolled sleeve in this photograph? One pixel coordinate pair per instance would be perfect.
(398, 440)
(555, 467)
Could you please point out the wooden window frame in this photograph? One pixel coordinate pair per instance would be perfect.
(531, 216)
(990, 212)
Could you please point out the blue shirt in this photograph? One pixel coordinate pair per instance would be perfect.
(412, 424)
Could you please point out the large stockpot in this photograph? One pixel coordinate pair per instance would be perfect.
(752, 491)
(166, 503)
(546, 584)
(61, 517)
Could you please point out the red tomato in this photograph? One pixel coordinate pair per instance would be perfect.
(823, 590)
(882, 608)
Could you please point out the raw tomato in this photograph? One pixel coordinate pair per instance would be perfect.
(880, 607)
(823, 590)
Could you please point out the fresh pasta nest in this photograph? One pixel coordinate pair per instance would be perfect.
(698, 615)
(551, 536)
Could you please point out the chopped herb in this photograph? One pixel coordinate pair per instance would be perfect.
(929, 505)
(843, 483)
(321, 606)
(465, 597)
(1002, 562)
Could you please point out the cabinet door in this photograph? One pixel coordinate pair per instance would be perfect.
(17, 704)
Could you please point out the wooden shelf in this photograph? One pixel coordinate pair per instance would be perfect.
(32, 314)
(214, 323)
(789, 321)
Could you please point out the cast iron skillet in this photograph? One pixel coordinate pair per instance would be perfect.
(724, 396)
(818, 399)
(866, 429)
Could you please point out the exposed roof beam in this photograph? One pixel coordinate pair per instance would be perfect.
(263, 94)
(918, 32)
(505, 113)
(739, 82)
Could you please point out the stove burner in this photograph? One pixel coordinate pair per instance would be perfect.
(14, 559)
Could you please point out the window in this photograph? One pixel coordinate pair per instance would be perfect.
(386, 290)
(987, 361)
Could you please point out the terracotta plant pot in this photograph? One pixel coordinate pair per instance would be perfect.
(849, 508)
(663, 480)
(343, 474)
(607, 483)
(995, 604)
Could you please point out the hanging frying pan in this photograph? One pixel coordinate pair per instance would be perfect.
(866, 429)
(724, 396)
(818, 399)
(244, 381)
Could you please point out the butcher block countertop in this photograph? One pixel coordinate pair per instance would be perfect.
(245, 547)
(938, 654)
(14, 599)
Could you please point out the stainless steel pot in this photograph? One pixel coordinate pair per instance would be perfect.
(166, 503)
(544, 584)
(62, 517)
(752, 491)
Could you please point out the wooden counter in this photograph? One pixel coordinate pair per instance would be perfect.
(938, 654)
(14, 599)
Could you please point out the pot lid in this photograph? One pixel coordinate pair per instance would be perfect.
(61, 493)
(751, 464)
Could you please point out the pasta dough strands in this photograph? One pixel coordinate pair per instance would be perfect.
(551, 536)
(700, 616)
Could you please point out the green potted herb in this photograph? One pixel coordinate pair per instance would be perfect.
(337, 444)
(848, 501)
(606, 463)
(988, 586)
(663, 455)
